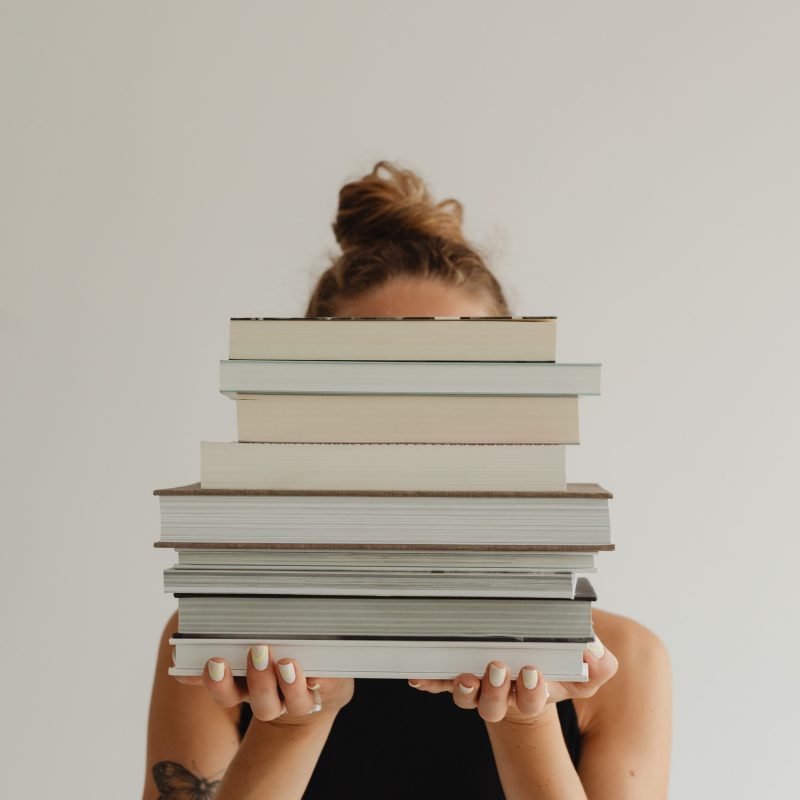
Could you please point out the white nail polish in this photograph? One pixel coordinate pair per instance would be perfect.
(596, 648)
(287, 672)
(465, 689)
(530, 678)
(497, 675)
(216, 670)
(317, 702)
(415, 685)
(260, 657)
(546, 691)
(314, 688)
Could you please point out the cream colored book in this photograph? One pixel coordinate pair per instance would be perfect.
(407, 418)
(412, 467)
(395, 339)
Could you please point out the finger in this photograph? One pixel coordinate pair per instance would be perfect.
(190, 680)
(602, 665)
(262, 685)
(296, 695)
(466, 689)
(433, 686)
(217, 678)
(531, 692)
(493, 698)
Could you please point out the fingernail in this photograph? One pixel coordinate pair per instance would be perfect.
(497, 675)
(174, 660)
(216, 670)
(317, 702)
(315, 687)
(596, 648)
(465, 689)
(260, 657)
(530, 678)
(287, 672)
(546, 691)
(415, 685)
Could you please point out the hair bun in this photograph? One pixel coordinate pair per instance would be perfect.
(393, 203)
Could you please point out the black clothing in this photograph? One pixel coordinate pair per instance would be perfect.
(379, 748)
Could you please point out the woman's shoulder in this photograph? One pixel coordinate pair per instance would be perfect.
(643, 676)
(626, 637)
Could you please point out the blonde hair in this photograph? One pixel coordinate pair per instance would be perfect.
(388, 225)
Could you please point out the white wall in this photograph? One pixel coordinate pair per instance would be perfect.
(633, 168)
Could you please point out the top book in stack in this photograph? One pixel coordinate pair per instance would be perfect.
(394, 339)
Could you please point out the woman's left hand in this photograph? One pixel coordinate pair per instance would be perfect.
(497, 697)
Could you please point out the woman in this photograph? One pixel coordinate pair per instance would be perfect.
(475, 736)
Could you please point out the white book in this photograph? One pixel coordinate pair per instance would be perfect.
(193, 517)
(412, 467)
(321, 658)
(408, 377)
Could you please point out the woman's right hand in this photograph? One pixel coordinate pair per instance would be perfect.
(277, 692)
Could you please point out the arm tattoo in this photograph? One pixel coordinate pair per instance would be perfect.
(175, 782)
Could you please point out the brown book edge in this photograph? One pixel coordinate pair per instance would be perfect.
(576, 490)
(532, 548)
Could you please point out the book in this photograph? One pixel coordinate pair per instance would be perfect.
(433, 467)
(367, 583)
(349, 617)
(410, 338)
(408, 377)
(469, 561)
(575, 519)
(557, 661)
(439, 419)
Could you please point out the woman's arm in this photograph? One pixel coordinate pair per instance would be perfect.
(625, 729)
(193, 740)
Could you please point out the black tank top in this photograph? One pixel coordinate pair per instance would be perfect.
(378, 747)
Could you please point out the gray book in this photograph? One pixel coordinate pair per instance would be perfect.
(443, 618)
(361, 582)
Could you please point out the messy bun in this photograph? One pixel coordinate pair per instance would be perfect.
(393, 205)
(388, 225)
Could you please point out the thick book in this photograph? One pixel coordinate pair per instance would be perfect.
(435, 467)
(576, 519)
(557, 661)
(400, 339)
(341, 617)
(467, 561)
(371, 419)
(366, 583)
(408, 377)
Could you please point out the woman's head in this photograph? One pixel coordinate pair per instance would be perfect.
(402, 255)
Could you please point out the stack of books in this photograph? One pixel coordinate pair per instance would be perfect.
(396, 505)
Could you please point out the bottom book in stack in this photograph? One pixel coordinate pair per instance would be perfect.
(401, 614)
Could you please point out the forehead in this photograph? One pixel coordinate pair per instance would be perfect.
(416, 297)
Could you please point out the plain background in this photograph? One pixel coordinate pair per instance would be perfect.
(631, 167)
